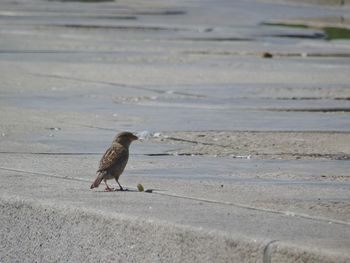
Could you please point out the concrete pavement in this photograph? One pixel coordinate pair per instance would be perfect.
(73, 74)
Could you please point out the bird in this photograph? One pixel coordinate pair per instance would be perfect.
(114, 160)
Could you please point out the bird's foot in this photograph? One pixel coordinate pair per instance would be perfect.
(122, 189)
(108, 189)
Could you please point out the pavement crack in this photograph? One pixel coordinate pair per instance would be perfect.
(54, 153)
(275, 54)
(121, 27)
(45, 174)
(159, 154)
(119, 85)
(84, 153)
(97, 127)
(320, 110)
(195, 142)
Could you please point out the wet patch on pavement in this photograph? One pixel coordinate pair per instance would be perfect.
(329, 33)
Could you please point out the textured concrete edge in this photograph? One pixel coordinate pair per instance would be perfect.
(279, 251)
(43, 231)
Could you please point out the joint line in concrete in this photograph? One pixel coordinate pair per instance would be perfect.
(267, 251)
(283, 213)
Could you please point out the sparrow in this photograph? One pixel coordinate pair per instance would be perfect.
(114, 160)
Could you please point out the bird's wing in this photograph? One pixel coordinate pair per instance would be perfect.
(111, 156)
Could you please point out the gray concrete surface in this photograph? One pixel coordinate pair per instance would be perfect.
(246, 157)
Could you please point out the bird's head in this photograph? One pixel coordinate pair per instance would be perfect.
(125, 138)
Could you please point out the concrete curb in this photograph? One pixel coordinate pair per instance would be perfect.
(47, 232)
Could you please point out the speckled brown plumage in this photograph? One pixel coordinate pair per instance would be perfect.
(114, 160)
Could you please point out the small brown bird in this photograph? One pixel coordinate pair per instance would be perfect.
(114, 160)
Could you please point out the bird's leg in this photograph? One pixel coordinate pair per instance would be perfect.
(121, 188)
(108, 189)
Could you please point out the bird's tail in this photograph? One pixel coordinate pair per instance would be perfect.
(98, 180)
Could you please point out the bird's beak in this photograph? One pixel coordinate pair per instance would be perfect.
(134, 138)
